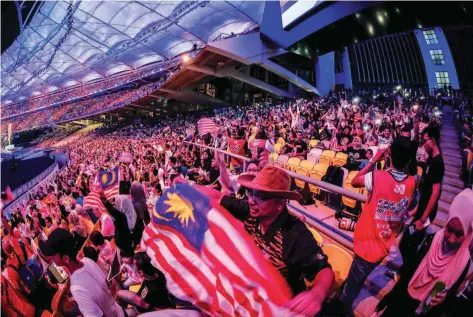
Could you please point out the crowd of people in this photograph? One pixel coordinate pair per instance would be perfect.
(82, 91)
(78, 110)
(60, 230)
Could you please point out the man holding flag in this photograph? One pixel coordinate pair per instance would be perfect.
(209, 260)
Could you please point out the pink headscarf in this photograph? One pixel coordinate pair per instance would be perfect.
(437, 266)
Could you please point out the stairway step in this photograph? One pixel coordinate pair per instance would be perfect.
(452, 154)
(452, 161)
(453, 169)
(365, 304)
(443, 206)
(455, 182)
(433, 228)
(451, 174)
(450, 137)
(451, 189)
(378, 283)
(394, 259)
(450, 146)
(447, 196)
(441, 219)
(448, 133)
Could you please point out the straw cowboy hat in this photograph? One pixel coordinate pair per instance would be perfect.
(270, 180)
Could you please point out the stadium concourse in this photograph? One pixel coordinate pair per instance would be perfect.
(209, 167)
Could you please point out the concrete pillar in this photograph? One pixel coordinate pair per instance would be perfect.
(325, 73)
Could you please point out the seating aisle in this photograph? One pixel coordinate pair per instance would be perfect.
(451, 153)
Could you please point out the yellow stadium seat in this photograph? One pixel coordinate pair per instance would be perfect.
(134, 288)
(274, 157)
(351, 176)
(382, 165)
(282, 160)
(313, 143)
(349, 202)
(303, 169)
(293, 163)
(340, 159)
(317, 172)
(327, 157)
(277, 147)
(340, 260)
(318, 238)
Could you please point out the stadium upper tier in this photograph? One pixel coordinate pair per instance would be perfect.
(69, 44)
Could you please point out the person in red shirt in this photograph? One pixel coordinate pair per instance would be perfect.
(237, 146)
(390, 193)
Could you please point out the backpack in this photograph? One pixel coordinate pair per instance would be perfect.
(334, 175)
(30, 272)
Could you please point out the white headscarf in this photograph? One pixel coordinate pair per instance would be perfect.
(438, 266)
(124, 205)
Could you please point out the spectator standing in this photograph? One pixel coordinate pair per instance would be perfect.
(88, 283)
(426, 209)
(390, 193)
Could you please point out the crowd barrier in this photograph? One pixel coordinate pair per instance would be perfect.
(331, 232)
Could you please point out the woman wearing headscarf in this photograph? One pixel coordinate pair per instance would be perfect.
(431, 279)
(138, 197)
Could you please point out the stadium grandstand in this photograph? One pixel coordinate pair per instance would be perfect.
(236, 158)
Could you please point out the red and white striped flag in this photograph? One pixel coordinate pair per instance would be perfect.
(422, 126)
(110, 182)
(92, 200)
(210, 260)
(207, 125)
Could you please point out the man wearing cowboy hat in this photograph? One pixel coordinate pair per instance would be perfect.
(282, 238)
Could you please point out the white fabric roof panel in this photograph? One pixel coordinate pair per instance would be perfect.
(102, 38)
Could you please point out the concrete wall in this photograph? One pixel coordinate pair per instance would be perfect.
(430, 68)
(344, 78)
(325, 73)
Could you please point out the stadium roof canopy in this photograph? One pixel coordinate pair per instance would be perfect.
(69, 43)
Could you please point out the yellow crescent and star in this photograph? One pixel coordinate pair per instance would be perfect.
(180, 209)
(105, 178)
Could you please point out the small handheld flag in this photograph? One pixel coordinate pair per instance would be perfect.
(110, 181)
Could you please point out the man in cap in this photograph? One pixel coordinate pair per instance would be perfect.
(282, 238)
(88, 283)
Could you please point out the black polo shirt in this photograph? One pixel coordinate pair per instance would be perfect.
(287, 243)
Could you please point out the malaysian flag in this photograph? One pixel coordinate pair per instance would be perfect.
(110, 182)
(209, 259)
(207, 125)
(92, 200)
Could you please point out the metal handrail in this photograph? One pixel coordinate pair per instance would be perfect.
(327, 186)
(244, 158)
(329, 231)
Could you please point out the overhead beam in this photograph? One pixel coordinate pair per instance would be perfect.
(250, 49)
(191, 96)
(241, 77)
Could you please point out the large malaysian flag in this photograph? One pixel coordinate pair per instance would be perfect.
(209, 259)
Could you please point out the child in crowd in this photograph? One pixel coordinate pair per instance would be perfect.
(128, 267)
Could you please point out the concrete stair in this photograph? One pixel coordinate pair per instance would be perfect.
(378, 284)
